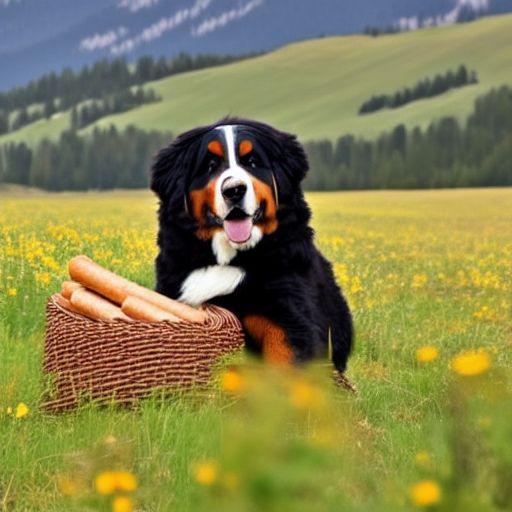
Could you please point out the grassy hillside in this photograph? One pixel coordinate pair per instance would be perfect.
(314, 88)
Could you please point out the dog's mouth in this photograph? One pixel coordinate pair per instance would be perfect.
(238, 224)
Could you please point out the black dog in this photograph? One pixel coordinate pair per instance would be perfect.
(234, 232)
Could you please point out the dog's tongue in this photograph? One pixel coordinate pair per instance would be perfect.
(238, 230)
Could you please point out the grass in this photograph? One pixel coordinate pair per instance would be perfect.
(315, 88)
(419, 268)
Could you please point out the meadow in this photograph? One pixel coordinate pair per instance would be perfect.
(314, 85)
(428, 276)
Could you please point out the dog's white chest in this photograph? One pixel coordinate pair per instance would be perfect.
(205, 283)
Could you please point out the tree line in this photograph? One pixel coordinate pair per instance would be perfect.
(447, 153)
(91, 111)
(375, 31)
(83, 114)
(105, 160)
(104, 77)
(426, 88)
(476, 153)
(23, 117)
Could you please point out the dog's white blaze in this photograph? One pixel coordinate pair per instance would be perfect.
(233, 171)
(206, 283)
(225, 250)
(229, 133)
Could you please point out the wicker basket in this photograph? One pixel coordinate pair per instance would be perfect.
(120, 360)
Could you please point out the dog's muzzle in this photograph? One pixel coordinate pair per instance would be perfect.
(233, 190)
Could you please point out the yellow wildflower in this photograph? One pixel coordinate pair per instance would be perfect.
(105, 482)
(341, 273)
(122, 504)
(21, 410)
(49, 261)
(205, 473)
(419, 281)
(426, 493)
(471, 362)
(356, 285)
(126, 481)
(427, 354)
(485, 313)
(232, 382)
(43, 278)
(12, 292)
(109, 482)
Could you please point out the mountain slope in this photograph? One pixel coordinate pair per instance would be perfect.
(38, 36)
(314, 88)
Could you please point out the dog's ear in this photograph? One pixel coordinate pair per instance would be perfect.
(289, 164)
(172, 166)
(291, 160)
(166, 171)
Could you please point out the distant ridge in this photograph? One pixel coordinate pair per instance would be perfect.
(39, 36)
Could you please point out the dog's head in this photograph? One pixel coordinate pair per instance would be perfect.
(228, 181)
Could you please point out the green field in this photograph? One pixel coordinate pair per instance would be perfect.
(428, 277)
(315, 88)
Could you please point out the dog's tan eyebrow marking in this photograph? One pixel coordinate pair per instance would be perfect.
(216, 148)
(245, 147)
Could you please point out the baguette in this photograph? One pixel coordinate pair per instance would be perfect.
(91, 275)
(117, 289)
(64, 303)
(93, 306)
(139, 309)
(183, 311)
(68, 287)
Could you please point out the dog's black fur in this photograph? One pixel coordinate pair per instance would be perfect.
(287, 279)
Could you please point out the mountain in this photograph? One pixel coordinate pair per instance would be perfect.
(40, 36)
(315, 88)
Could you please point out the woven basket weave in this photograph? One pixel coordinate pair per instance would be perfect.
(98, 360)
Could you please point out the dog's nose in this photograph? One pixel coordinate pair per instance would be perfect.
(233, 190)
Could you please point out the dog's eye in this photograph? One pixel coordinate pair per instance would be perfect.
(252, 162)
(213, 164)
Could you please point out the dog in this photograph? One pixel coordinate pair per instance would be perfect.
(234, 231)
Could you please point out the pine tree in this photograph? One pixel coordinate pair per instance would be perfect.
(4, 123)
(18, 159)
(75, 118)
(49, 108)
(21, 119)
(2, 165)
(461, 76)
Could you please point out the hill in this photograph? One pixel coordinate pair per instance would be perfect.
(315, 88)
